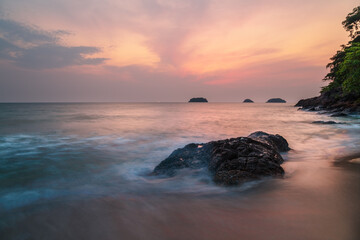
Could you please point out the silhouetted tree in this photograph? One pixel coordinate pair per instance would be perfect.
(352, 22)
(345, 64)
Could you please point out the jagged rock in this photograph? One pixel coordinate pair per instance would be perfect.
(276, 141)
(231, 161)
(332, 101)
(340, 114)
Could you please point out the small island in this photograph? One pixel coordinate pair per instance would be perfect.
(198, 99)
(248, 101)
(276, 100)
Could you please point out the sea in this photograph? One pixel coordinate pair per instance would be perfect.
(82, 171)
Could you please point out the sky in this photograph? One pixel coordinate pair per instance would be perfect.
(167, 50)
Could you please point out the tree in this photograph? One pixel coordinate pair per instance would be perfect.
(336, 60)
(349, 70)
(345, 64)
(352, 22)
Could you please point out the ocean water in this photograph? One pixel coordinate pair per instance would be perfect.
(80, 171)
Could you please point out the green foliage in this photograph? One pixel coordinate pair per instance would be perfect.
(349, 70)
(336, 60)
(330, 86)
(344, 67)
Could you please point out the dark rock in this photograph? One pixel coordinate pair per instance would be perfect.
(193, 156)
(340, 114)
(325, 122)
(231, 161)
(248, 101)
(332, 101)
(198, 99)
(276, 141)
(276, 100)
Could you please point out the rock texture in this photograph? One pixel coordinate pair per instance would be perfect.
(276, 141)
(248, 101)
(231, 161)
(198, 99)
(276, 100)
(324, 122)
(339, 114)
(332, 102)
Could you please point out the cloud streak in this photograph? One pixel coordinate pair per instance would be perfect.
(144, 50)
(31, 47)
(23, 34)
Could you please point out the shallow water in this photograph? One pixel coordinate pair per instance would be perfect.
(79, 171)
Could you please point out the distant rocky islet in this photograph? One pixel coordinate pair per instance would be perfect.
(276, 100)
(247, 100)
(198, 99)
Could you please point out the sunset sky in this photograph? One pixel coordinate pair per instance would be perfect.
(167, 50)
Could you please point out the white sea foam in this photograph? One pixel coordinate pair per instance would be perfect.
(115, 153)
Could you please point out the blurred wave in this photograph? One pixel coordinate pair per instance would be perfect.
(76, 156)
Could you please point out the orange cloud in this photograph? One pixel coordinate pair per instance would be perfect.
(193, 44)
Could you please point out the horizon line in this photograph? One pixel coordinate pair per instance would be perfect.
(39, 102)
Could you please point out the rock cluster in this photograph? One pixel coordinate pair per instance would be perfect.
(331, 102)
(231, 161)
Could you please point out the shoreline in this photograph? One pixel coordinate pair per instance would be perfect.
(332, 103)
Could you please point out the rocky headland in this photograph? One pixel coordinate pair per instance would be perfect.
(231, 161)
(332, 102)
(342, 95)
